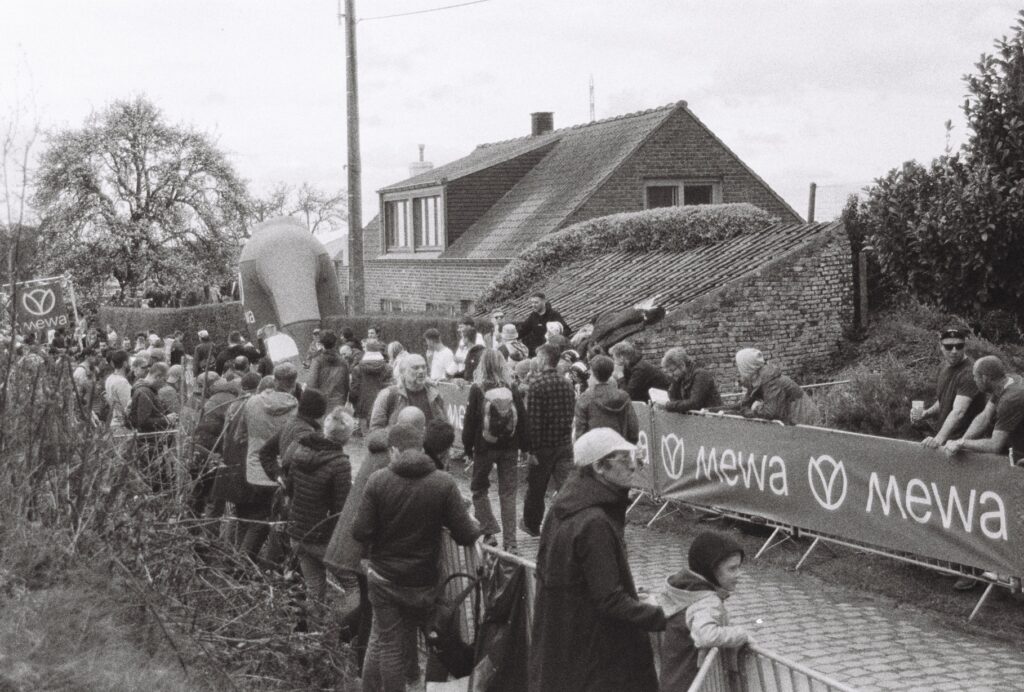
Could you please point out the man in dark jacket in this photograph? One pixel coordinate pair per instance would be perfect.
(312, 407)
(692, 388)
(329, 372)
(534, 328)
(404, 509)
(638, 376)
(236, 347)
(589, 627)
(146, 415)
(208, 434)
(604, 405)
(229, 485)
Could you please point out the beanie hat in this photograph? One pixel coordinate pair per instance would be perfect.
(598, 443)
(749, 361)
(250, 381)
(312, 404)
(709, 550)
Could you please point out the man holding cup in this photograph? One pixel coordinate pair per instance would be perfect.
(958, 400)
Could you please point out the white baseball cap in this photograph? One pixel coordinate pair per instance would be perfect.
(598, 443)
(203, 334)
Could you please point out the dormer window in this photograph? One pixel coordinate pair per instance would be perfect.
(674, 193)
(414, 221)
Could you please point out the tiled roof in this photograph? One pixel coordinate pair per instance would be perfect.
(540, 202)
(336, 248)
(619, 280)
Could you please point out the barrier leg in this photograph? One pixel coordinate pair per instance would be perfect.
(660, 511)
(981, 601)
(636, 501)
(807, 554)
(769, 543)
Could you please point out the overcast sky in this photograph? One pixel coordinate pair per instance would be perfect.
(832, 92)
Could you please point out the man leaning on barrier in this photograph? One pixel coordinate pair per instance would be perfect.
(957, 399)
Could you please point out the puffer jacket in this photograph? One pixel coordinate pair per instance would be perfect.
(229, 482)
(344, 553)
(404, 508)
(604, 405)
(329, 375)
(273, 453)
(781, 399)
(697, 622)
(368, 378)
(215, 412)
(264, 415)
(318, 482)
(145, 411)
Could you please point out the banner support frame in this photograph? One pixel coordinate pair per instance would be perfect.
(767, 545)
(660, 511)
(981, 601)
(639, 496)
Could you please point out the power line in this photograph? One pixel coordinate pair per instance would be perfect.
(432, 9)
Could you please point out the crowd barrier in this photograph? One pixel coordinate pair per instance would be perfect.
(896, 498)
(760, 670)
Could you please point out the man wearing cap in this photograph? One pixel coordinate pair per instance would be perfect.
(589, 627)
(203, 358)
(958, 400)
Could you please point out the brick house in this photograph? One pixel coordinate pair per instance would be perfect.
(442, 235)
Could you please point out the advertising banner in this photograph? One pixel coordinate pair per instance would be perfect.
(642, 477)
(891, 494)
(455, 398)
(41, 305)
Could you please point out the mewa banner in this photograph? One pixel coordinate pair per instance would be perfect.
(891, 494)
(41, 304)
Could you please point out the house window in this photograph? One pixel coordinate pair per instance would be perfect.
(390, 305)
(671, 193)
(442, 309)
(414, 223)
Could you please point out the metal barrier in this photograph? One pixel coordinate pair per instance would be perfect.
(760, 670)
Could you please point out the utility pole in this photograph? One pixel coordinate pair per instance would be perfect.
(355, 216)
(591, 98)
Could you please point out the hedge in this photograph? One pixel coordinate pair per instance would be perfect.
(667, 228)
(220, 319)
(407, 329)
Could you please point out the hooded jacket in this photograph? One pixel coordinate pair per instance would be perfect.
(369, 377)
(473, 423)
(273, 453)
(697, 622)
(215, 412)
(344, 553)
(329, 375)
(319, 480)
(639, 377)
(604, 405)
(404, 508)
(781, 399)
(145, 411)
(589, 628)
(263, 416)
(229, 483)
(534, 328)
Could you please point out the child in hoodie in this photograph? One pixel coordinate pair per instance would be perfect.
(694, 602)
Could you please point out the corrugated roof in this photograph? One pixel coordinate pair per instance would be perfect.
(583, 158)
(616, 281)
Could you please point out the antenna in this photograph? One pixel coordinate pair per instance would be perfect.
(591, 97)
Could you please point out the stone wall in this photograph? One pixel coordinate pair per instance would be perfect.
(440, 286)
(795, 310)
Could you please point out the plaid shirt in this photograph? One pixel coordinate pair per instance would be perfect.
(550, 407)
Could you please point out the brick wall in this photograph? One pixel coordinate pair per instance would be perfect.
(795, 310)
(681, 148)
(418, 282)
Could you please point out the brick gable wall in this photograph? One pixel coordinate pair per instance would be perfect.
(680, 148)
(795, 310)
(417, 282)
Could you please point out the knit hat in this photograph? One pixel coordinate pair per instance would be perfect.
(509, 333)
(709, 550)
(250, 381)
(749, 361)
(598, 443)
(312, 404)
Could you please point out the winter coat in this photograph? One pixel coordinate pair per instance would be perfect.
(319, 480)
(229, 483)
(146, 412)
(534, 328)
(344, 553)
(232, 352)
(170, 398)
(473, 357)
(273, 453)
(368, 378)
(589, 628)
(473, 423)
(263, 416)
(391, 400)
(203, 359)
(604, 405)
(215, 412)
(329, 375)
(692, 392)
(639, 377)
(404, 508)
(781, 399)
(697, 622)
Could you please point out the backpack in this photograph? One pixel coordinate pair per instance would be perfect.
(500, 416)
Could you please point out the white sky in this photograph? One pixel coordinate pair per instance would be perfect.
(833, 92)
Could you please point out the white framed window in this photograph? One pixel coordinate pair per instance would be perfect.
(674, 192)
(414, 221)
(396, 225)
(426, 221)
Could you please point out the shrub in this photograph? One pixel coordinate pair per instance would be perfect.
(406, 329)
(220, 319)
(668, 228)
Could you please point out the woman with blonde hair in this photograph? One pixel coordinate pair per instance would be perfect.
(493, 430)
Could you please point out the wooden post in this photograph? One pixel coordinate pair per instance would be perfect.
(355, 182)
(862, 273)
(810, 203)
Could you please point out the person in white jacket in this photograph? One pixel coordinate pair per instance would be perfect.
(694, 603)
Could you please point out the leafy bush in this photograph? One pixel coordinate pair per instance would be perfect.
(667, 228)
(406, 329)
(220, 319)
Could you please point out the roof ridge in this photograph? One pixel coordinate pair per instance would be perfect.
(579, 126)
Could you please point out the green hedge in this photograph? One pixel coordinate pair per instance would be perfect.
(668, 228)
(407, 329)
(220, 319)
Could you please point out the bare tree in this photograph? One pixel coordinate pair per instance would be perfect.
(320, 210)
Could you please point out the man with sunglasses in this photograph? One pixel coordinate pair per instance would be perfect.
(958, 400)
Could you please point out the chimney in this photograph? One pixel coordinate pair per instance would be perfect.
(542, 123)
(421, 166)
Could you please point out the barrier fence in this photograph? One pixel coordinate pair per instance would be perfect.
(892, 497)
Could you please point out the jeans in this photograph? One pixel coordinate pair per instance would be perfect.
(508, 476)
(397, 613)
(252, 520)
(314, 572)
(551, 462)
